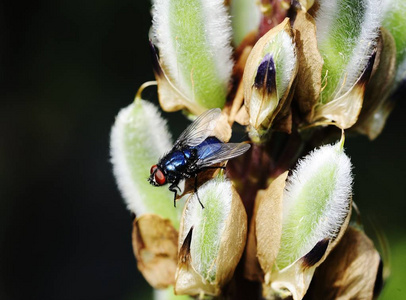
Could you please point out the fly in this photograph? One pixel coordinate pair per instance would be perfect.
(195, 150)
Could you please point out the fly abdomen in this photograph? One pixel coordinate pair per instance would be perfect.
(208, 147)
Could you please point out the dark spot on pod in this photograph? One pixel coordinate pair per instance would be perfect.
(184, 252)
(314, 256)
(363, 80)
(379, 280)
(156, 66)
(266, 75)
(292, 12)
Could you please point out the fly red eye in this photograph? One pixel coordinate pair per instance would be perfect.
(160, 177)
(153, 168)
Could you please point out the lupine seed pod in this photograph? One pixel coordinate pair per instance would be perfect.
(353, 270)
(268, 76)
(138, 139)
(245, 18)
(211, 240)
(193, 38)
(394, 22)
(315, 213)
(347, 34)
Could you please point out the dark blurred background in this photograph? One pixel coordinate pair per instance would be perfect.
(66, 68)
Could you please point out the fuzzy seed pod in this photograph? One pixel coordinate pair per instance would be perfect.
(194, 65)
(268, 76)
(347, 37)
(300, 222)
(211, 240)
(138, 139)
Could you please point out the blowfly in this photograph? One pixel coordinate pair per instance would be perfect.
(194, 151)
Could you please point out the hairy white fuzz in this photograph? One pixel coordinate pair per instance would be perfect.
(138, 139)
(193, 38)
(316, 201)
(360, 47)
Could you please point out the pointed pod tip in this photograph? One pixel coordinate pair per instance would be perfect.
(316, 254)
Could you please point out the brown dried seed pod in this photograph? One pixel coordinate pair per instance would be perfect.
(155, 245)
(307, 92)
(377, 104)
(269, 223)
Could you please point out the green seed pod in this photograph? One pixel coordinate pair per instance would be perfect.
(193, 38)
(211, 240)
(313, 211)
(394, 22)
(139, 138)
(245, 18)
(347, 33)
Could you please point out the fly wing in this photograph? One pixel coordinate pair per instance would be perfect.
(199, 130)
(223, 153)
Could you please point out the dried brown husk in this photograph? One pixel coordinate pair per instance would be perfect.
(307, 92)
(250, 71)
(155, 245)
(377, 103)
(233, 240)
(353, 270)
(268, 223)
(344, 110)
(252, 268)
(222, 131)
(294, 280)
(233, 107)
(170, 98)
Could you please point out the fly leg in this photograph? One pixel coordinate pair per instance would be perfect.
(173, 188)
(196, 191)
(210, 167)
